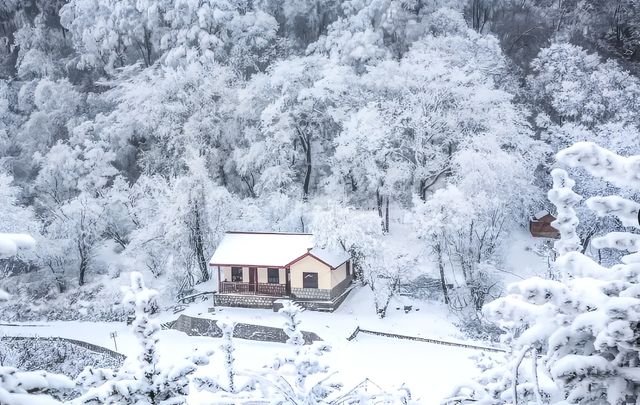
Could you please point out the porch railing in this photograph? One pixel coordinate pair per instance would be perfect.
(276, 290)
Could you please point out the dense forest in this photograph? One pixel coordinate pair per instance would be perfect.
(135, 133)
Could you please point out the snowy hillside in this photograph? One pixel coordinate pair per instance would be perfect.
(298, 202)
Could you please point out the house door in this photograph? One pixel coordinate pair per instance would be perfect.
(253, 279)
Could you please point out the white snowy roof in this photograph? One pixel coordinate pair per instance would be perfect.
(540, 214)
(263, 249)
(333, 258)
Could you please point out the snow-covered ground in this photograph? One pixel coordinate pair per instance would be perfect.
(429, 370)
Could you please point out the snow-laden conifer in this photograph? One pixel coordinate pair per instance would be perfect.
(145, 379)
(232, 384)
(574, 341)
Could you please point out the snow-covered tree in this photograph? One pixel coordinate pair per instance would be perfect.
(335, 225)
(20, 387)
(145, 379)
(384, 272)
(301, 376)
(230, 385)
(573, 339)
(564, 199)
(581, 97)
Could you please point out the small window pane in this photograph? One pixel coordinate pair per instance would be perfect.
(310, 280)
(273, 276)
(236, 274)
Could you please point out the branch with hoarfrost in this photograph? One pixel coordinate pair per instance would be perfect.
(232, 388)
(621, 171)
(291, 312)
(584, 327)
(565, 199)
(627, 211)
(299, 377)
(603, 163)
(142, 381)
(30, 387)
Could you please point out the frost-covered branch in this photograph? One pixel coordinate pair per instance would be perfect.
(565, 199)
(603, 163)
(143, 381)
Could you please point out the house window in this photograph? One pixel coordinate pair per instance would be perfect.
(273, 276)
(236, 274)
(310, 280)
(348, 268)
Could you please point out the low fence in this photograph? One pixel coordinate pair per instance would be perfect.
(426, 340)
(80, 343)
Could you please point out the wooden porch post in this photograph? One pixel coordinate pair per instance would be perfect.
(219, 281)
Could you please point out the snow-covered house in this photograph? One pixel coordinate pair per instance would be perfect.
(255, 269)
(540, 226)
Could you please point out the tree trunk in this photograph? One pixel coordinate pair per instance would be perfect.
(305, 140)
(379, 202)
(198, 246)
(83, 268)
(443, 282)
(386, 216)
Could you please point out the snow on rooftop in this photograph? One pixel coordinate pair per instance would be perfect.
(333, 258)
(541, 214)
(262, 249)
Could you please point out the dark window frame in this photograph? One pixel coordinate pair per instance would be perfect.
(271, 279)
(306, 277)
(234, 275)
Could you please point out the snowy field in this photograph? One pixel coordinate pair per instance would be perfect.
(429, 370)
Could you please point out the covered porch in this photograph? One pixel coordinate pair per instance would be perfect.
(249, 288)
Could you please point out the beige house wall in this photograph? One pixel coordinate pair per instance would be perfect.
(338, 275)
(310, 264)
(225, 273)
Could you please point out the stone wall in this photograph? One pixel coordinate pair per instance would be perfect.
(321, 294)
(243, 301)
(207, 327)
(341, 287)
(314, 299)
(311, 293)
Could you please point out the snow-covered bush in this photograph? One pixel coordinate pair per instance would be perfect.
(300, 376)
(26, 387)
(142, 380)
(233, 385)
(574, 340)
(384, 272)
(55, 356)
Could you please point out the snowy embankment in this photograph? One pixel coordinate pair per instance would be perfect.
(429, 370)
